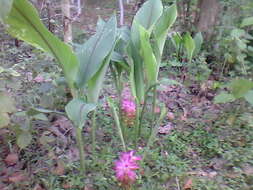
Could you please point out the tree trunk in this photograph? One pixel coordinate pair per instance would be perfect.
(67, 28)
(207, 17)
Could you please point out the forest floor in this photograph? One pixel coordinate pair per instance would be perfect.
(200, 145)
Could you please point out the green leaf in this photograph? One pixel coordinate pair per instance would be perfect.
(163, 25)
(147, 16)
(249, 97)
(198, 39)
(247, 22)
(34, 111)
(96, 82)
(41, 117)
(149, 60)
(6, 103)
(189, 45)
(133, 82)
(24, 23)
(24, 139)
(240, 87)
(1, 69)
(5, 8)
(177, 40)
(95, 50)
(223, 97)
(4, 119)
(136, 74)
(77, 111)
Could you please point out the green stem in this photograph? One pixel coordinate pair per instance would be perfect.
(153, 107)
(144, 107)
(142, 114)
(116, 118)
(137, 122)
(118, 85)
(80, 147)
(94, 128)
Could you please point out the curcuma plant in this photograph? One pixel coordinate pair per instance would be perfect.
(143, 52)
(84, 70)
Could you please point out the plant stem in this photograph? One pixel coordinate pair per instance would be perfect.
(116, 118)
(81, 151)
(142, 114)
(94, 128)
(118, 85)
(137, 122)
(144, 106)
(153, 107)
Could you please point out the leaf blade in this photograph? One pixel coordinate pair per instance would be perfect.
(95, 50)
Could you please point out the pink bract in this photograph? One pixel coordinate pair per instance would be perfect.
(125, 168)
(128, 106)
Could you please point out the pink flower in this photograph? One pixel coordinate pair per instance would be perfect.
(125, 168)
(128, 106)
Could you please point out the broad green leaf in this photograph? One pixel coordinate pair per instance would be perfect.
(198, 39)
(189, 45)
(247, 22)
(24, 23)
(95, 50)
(223, 97)
(116, 57)
(24, 139)
(163, 25)
(249, 97)
(149, 13)
(149, 60)
(4, 119)
(6, 103)
(147, 17)
(240, 87)
(5, 8)
(77, 111)
(96, 82)
(136, 74)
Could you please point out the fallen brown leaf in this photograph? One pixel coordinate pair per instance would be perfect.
(11, 159)
(59, 169)
(17, 177)
(188, 184)
(38, 187)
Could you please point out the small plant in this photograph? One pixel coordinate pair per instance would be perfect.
(141, 55)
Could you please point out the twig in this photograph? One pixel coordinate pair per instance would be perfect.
(121, 7)
(177, 181)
